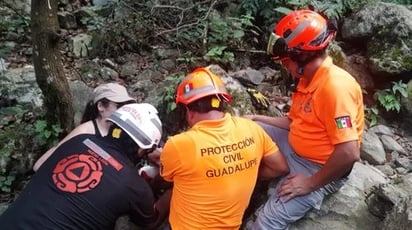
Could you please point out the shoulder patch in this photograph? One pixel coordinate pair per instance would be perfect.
(343, 122)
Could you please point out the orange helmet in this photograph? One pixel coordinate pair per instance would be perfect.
(201, 83)
(301, 30)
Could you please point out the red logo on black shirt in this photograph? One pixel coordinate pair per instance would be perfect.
(77, 173)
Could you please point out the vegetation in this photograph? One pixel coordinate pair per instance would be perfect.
(23, 133)
(172, 117)
(390, 98)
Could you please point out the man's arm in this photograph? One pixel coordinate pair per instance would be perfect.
(273, 165)
(339, 163)
(162, 207)
(280, 122)
(147, 213)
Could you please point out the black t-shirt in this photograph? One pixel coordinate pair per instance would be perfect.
(85, 184)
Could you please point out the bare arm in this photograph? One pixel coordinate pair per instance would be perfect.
(280, 122)
(338, 164)
(83, 128)
(162, 207)
(273, 165)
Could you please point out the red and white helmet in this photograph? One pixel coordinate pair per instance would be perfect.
(141, 122)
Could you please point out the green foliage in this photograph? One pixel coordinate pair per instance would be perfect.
(390, 98)
(15, 138)
(45, 134)
(19, 137)
(12, 129)
(262, 8)
(402, 2)
(270, 11)
(220, 54)
(332, 8)
(210, 35)
(6, 183)
(128, 27)
(225, 34)
(5, 51)
(189, 59)
(371, 116)
(92, 20)
(18, 24)
(263, 11)
(172, 116)
(169, 95)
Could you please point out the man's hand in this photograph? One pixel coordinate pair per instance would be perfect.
(154, 156)
(294, 185)
(258, 99)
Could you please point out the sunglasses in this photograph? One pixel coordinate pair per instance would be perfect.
(277, 47)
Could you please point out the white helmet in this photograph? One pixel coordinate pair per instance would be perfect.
(140, 122)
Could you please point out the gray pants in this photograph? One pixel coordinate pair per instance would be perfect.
(276, 214)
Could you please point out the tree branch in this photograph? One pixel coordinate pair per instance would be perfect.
(183, 10)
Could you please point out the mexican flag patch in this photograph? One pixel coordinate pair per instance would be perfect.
(188, 87)
(343, 122)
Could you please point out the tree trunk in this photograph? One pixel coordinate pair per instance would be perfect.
(48, 65)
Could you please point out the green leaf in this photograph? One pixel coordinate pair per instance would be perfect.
(5, 189)
(397, 106)
(5, 152)
(238, 34)
(40, 125)
(47, 134)
(216, 51)
(283, 10)
(56, 129)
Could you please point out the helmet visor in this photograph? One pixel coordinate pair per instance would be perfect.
(277, 47)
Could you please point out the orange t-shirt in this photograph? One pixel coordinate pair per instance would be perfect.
(214, 167)
(327, 111)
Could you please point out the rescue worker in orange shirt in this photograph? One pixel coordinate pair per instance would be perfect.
(215, 164)
(321, 135)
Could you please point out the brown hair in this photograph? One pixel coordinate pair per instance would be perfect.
(91, 111)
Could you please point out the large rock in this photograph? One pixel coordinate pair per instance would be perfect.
(372, 149)
(386, 30)
(347, 208)
(21, 84)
